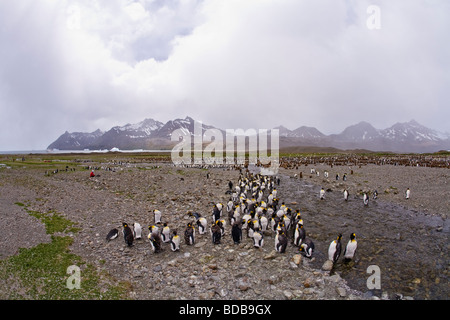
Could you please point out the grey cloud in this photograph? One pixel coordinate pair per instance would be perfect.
(232, 64)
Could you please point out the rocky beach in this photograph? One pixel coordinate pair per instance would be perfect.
(406, 238)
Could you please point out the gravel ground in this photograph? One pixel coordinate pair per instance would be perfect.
(202, 271)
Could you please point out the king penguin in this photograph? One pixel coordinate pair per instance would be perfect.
(175, 241)
(334, 250)
(299, 235)
(189, 234)
(350, 249)
(127, 234)
(137, 231)
(258, 238)
(366, 199)
(165, 233)
(200, 221)
(216, 232)
(322, 194)
(157, 216)
(236, 231)
(112, 234)
(346, 194)
(307, 247)
(264, 223)
(155, 240)
(407, 194)
(280, 242)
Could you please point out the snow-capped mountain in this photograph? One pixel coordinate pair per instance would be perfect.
(142, 129)
(151, 134)
(301, 132)
(360, 132)
(412, 131)
(147, 134)
(75, 140)
(186, 125)
(400, 137)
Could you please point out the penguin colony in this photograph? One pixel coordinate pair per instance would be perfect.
(253, 212)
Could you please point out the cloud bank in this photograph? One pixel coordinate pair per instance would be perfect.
(83, 65)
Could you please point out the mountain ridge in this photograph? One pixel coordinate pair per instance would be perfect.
(152, 134)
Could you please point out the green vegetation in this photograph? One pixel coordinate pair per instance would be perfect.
(41, 271)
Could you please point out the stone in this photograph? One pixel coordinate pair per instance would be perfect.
(222, 292)
(287, 294)
(297, 259)
(341, 291)
(327, 266)
(273, 279)
(212, 266)
(308, 283)
(272, 255)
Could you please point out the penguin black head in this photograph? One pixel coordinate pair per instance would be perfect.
(339, 236)
(125, 224)
(352, 236)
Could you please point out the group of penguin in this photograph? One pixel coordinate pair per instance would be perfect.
(365, 195)
(252, 208)
(155, 237)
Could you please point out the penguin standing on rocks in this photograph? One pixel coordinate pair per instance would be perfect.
(287, 222)
(307, 247)
(280, 242)
(157, 215)
(366, 199)
(299, 235)
(175, 241)
(407, 194)
(245, 220)
(222, 223)
(334, 250)
(216, 233)
(346, 194)
(189, 234)
(127, 234)
(264, 223)
(230, 209)
(216, 213)
(155, 240)
(236, 217)
(322, 194)
(165, 233)
(258, 238)
(153, 229)
(236, 231)
(112, 234)
(137, 231)
(350, 249)
(200, 221)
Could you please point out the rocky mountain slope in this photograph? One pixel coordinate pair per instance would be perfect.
(152, 134)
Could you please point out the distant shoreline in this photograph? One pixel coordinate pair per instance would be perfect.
(80, 151)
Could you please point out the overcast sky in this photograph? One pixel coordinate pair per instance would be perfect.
(83, 65)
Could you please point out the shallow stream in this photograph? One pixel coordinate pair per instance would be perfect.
(410, 248)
